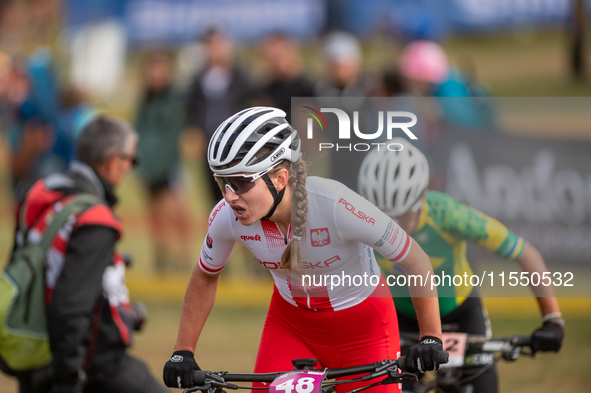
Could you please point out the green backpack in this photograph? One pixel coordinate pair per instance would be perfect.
(24, 340)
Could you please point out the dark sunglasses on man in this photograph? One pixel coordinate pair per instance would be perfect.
(135, 160)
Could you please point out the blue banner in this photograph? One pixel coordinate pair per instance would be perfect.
(177, 21)
(431, 18)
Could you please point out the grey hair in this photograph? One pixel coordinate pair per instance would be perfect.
(102, 138)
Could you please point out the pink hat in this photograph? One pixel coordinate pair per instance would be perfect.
(425, 61)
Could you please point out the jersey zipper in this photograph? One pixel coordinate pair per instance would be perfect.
(284, 236)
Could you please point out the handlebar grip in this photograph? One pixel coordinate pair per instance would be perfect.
(520, 341)
(198, 377)
(442, 358)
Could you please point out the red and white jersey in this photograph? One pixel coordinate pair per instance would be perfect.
(341, 230)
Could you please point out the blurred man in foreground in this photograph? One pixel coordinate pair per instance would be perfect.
(89, 316)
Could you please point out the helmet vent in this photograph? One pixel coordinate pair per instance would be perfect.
(397, 172)
(226, 151)
(412, 170)
(217, 145)
(256, 160)
(255, 116)
(394, 198)
(294, 145)
(264, 130)
(406, 197)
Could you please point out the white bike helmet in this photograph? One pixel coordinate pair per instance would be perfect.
(394, 181)
(234, 146)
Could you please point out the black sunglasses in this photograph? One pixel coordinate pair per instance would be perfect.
(135, 160)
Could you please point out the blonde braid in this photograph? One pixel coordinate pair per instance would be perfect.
(292, 254)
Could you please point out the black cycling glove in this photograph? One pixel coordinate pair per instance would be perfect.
(547, 338)
(423, 356)
(179, 369)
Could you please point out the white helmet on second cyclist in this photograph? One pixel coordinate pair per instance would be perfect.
(394, 181)
(236, 145)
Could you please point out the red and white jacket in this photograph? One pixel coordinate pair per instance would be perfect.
(88, 309)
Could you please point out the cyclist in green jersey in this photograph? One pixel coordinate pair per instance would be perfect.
(396, 182)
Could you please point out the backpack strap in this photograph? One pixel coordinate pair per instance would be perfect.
(23, 228)
(77, 203)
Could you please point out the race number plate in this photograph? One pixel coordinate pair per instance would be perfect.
(302, 381)
(455, 345)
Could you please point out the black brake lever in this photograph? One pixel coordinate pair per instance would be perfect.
(396, 377)
(513, 354)
(214, 384)
(196, 388)
(382, 370)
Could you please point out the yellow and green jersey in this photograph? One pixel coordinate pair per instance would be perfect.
(444, 226)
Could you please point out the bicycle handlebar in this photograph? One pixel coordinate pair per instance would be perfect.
(479, 340)
(520, 341)
(200, 376)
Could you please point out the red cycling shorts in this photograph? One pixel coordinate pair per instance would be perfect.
(362, 334)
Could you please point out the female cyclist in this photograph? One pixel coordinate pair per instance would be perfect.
(396, 182)
(293, 223)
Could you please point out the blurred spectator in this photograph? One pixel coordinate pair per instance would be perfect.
(287, 78)
(159, 123)
(346, 80)
(392, 84)
(5, 69)
(427, 72)
(219, 91)
(73, 114)
(342, 52)
(428, 112)
(30, 136)
(41, 119)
